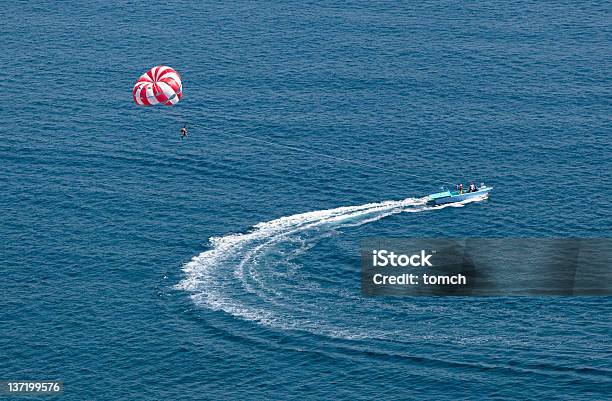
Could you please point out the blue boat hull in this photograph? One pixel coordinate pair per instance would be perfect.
(452, 196)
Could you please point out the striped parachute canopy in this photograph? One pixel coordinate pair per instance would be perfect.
(159, 85)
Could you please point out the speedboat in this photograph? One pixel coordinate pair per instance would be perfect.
(448, 196)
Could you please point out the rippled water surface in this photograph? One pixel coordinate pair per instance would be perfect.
(137, 266)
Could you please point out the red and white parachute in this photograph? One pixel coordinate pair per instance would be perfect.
(159, 85)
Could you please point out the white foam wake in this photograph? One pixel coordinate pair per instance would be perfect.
(226, 277)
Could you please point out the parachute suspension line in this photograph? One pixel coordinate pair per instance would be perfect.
(162, 85)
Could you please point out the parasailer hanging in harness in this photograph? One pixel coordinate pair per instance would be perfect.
(159, 85)
(184, 131)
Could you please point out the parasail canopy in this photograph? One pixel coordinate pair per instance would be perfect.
(159, 85)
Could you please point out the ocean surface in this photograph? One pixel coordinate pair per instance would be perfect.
(136, 266)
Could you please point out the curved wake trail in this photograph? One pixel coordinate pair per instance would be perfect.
(228, 277)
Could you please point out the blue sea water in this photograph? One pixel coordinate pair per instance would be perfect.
(111, 284)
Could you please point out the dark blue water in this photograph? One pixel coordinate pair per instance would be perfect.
(103, 207)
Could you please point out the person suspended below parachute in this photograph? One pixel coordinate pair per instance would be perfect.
(184, 131)
(159, 85)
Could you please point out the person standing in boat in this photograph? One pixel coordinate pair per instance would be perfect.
(473, 187)
(460, 189)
